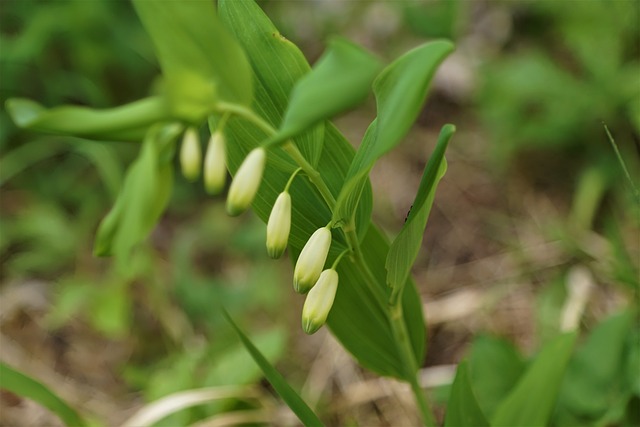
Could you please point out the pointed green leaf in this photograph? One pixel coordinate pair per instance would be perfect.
(405, 247)
(400, 91)
(22, 385)
(462, 408)
(340, 80)
(125, 123)
(291, 398)
(530, 403)
(145, 194)
(200, 60)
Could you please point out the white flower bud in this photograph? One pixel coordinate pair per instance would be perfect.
(319, 301)
(311, 260)
(279, 226)
(190, 154)
(215, 171)
(246, 182)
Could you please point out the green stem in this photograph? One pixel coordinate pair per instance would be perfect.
(423, 404)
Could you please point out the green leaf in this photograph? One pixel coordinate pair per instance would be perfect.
(594, 377)
(125, 123)
(487, 356)
(405, 247)
(530, 403)
(340, 80)
(145, 194)
(277, 64)
(462, 408)
(22, 385)
(201, 61)
(365, 331)
(400, 91)
(291, 398)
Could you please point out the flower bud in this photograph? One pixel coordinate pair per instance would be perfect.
(279, 226)
(190, 154)
(311, 260)
(246, 182)
(215, 171)
(319, 301)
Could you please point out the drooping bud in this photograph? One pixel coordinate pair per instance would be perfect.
(215, 171)
(311, 260)
(246, 182)
(279, 226)
(190, 154)
(319, 301)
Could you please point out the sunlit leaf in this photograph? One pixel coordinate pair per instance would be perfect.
(405, 247)
(23, 385)
(200, 60)
(340, 80)
(462, 408)
(293, 400)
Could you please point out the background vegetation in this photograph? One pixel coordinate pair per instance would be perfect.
(535, 228)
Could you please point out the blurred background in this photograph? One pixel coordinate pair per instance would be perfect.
(534, 218)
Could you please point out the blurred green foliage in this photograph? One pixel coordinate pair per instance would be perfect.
(54, 190)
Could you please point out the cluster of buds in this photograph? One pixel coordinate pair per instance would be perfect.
(308, 276)
(215, 170)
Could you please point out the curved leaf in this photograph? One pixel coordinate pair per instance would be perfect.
(125, 123)
(405, 247)
(400, 91)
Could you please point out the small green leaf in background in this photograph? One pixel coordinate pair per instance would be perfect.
(400, 91)
(462, 408)
(200, 60)
(125, 123)
(340, 80)
(291, 398)
(405, 247)
(531, 401)
(594, 379)
(22, 385)
(488, 356)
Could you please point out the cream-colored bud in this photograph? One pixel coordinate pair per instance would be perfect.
(319, 301)
(246, 182)
(311, 260)
(215, 171)
(279, 226)
(190, 154)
